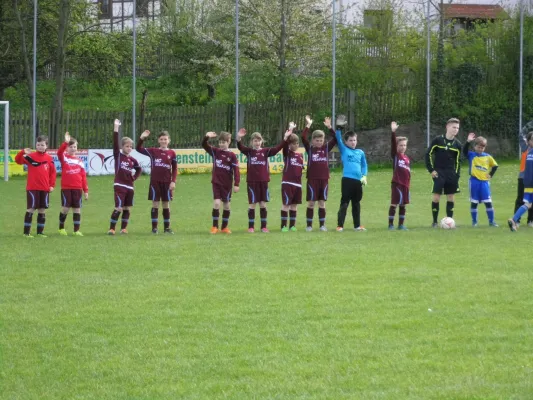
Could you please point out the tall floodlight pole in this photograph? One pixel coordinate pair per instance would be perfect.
(334, 45)
(428, 74)
(34, 87)
(134, 73)
(236, 68)
(521, 72)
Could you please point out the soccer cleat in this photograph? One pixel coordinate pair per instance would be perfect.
(323, 228)
(111, 232)
(265, 230)
(512, 225)
(123, 231)
(293, 229)
(251, 230)
(77, 233)
(359, 229)
(285, 229)
(214, 230)
(168, 231)
(391, 227)
(434, 225)
(340, 229)
(226, 231)
(494, 224)
(475, 225)
(41, 235)
(63, 232)
(402, 228)
(28, 236)
(309, 229)
(155, 231)
(530, 224)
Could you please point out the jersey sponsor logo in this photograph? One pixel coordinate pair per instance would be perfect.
(220, 164)
(403, 164)
(319, 157)
(296, 161)
(256, 161)
(158, 162)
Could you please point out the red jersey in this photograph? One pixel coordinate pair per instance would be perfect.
(73, 174)
(225, 165)
(293, 166)
(318, 157)
(257, 163)
(127, 169)
(163, 163)
(41, 170)
(401, 164)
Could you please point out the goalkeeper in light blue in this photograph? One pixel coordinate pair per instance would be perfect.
(482, 168)
(528, 186)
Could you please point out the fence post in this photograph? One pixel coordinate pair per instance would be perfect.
(242, 110)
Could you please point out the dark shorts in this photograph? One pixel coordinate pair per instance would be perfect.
(317, 189)
(446, 182)
(291, 194)
(123, 197)
(159, 191)
(221, 193)
(399, 194)
(258, 191)
(36, 199)
(71, 198)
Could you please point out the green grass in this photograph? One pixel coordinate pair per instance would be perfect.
(424, 314)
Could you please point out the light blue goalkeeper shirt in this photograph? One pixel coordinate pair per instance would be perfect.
(354, 164)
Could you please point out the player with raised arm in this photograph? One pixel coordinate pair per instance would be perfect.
(224, 177)
(524, 149)
(528, 186)
(401, 178)
(257, 176)
(41, 182)
(482, 168)
(127, 170)
(73, 184)
(443, 162)
(291, 182)
(317, 173)
(164, 171)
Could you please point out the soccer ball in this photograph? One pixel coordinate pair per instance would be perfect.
(447, 223)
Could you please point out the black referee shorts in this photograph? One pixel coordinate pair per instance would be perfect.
(446, 182)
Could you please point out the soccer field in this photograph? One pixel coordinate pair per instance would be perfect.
(423, 314)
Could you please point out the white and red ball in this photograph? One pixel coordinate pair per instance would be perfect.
(447, 223)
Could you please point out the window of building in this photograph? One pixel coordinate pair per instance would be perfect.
(106, 8)
(142, 8)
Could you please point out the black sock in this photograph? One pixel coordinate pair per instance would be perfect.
(76, 219)
(435, 211)
(166, 218)
(215, 215)
(284, 218)
(41, 220)
(125, 219)
(449, 208)
(114, 219)
(225, 218)
(62, 218)
(154, 214)
(27, 222)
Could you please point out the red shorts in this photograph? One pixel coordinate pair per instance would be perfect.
(221, 193)
(71, 198)
(123, 197)
(36, 199)
(159, 191)
(399, 194)
(317, 189)
(258, 191)
(291, 194)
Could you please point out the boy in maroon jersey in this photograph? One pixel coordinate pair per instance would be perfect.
(41, 182)
(317, 173)
(225, 171)
(258, 176)
(401, 178)
(73, 183)
(291, 182)
(162, 177)
(127, 170)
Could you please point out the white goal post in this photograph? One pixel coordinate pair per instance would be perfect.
(6, 139)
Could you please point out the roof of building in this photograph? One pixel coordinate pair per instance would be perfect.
(473, 11)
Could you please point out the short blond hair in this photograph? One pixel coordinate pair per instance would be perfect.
(401, 139)
(256, 135)
(480, 140)
(318, 134)
(453, 121)
(225, 136)
(125, 140)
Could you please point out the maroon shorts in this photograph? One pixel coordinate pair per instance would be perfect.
(71, 198)
(36, 199)
(317, 189)
(291, 194)
(159, 191)
(258, 191)
(123, 197)
(221, 192)
(399, 194)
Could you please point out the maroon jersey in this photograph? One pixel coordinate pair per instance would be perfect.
(294, 165)
(127, 169)
(163, 163)
(225, 165)
(257, 163)
(401, 165)
(318, 157)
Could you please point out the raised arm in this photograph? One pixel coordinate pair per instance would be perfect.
(116, 146)
(393, 143)
(140, 148)
(62, 148)
(242, 148)
(21, 158)
(205, 142)
(466, 146)
(305, 133)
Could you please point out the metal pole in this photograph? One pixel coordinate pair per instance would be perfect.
(428, 74)
(6, 139)
(521, 72)
(334, 44)
(134, 73)
(34, 88)
(236, 68)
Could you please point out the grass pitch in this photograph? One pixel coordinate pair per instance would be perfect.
(424, 314)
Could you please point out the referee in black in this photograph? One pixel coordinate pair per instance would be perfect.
(443, 161)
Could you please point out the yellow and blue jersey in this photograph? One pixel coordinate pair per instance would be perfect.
(481, 165)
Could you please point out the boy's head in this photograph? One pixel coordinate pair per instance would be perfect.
(350, 139)
(163, 139)
(294, 142)
(72, 147)
(317, 138)
(529, 139)
(401, 144)
(41, 144)
(479, 144)
(257, 140)
(452, 127)
(127, 145)
(224, 140)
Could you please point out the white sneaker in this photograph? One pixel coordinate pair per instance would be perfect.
(309, 228)
(323, 228)
(530, 224)
(359, 229)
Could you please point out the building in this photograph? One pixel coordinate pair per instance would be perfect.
(117, 15)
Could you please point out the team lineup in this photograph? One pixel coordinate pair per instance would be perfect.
(443, 161)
